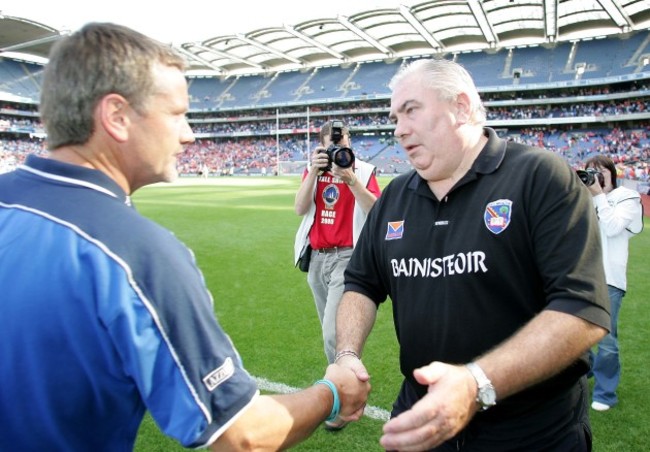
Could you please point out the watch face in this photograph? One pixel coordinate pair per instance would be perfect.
(487, 396)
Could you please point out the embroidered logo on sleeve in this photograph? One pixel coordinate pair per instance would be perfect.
(497, 215)
(395, 230)
(219, 375)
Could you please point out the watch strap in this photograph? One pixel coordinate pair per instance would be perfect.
(486, 395)
(478, 374)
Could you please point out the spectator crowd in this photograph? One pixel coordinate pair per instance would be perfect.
(229, 144)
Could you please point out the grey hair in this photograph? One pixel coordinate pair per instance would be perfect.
(449, 79)
(99, 59)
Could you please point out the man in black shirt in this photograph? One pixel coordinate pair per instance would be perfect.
(489, 251)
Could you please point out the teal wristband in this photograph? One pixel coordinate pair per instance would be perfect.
(336, 406)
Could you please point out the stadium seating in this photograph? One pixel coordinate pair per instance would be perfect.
(286, 85)
(206, 92)
(20, 78)
(485, 68)
(573, 98)
(371, 79)
(326, 83)
(539, 64)
(605, 57)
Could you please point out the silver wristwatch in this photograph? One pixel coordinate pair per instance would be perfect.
(487, 396)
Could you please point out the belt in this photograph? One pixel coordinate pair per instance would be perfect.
(336, 249)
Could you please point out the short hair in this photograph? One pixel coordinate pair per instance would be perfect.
(449, 79)
(601, 161)
(326, 131)
(98, 59)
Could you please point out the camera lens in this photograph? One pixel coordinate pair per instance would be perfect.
(587, 177)
(343, 157)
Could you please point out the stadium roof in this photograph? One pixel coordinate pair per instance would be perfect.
(23, 36)
(435, 27)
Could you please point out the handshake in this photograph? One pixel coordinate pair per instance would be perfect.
(349, 383)
(280, 421)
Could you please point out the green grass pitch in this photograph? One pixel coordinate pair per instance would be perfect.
(241, 230)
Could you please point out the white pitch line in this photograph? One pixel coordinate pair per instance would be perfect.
(372, 412)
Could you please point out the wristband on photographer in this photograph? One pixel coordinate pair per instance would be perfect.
(336, 406)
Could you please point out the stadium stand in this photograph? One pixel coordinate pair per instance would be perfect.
(370, 79)
(205, 93)
(20, 79)
(325, 83)
(242, 92)
(604, 57)
(537, 64)
(573, 98)
(486, 68)
(286, 86)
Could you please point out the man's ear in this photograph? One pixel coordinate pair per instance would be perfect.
(112, 113)
(463, 108)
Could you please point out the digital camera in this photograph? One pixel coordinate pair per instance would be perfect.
(341, 155)
(588, 176)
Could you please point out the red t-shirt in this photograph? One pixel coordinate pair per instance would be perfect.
(334, 212)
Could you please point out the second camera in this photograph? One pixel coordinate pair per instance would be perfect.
(342, 156)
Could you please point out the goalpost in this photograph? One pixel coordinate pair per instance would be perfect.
(291, 167)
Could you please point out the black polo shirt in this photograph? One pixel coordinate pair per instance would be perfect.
(516, 235)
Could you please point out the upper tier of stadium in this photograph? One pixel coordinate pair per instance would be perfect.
(439, 28)
(609, 60)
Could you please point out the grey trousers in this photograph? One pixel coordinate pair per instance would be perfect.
(325, 279)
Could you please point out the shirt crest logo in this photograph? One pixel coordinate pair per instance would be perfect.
(497, 215)
(331, 195)
(395, 230)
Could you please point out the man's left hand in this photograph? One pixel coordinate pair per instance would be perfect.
(345, 174)
(446, 409)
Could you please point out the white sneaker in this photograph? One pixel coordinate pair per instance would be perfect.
(599, 406)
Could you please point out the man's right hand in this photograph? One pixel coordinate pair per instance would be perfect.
(355, 365)
(353, 391)
(319, 159)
